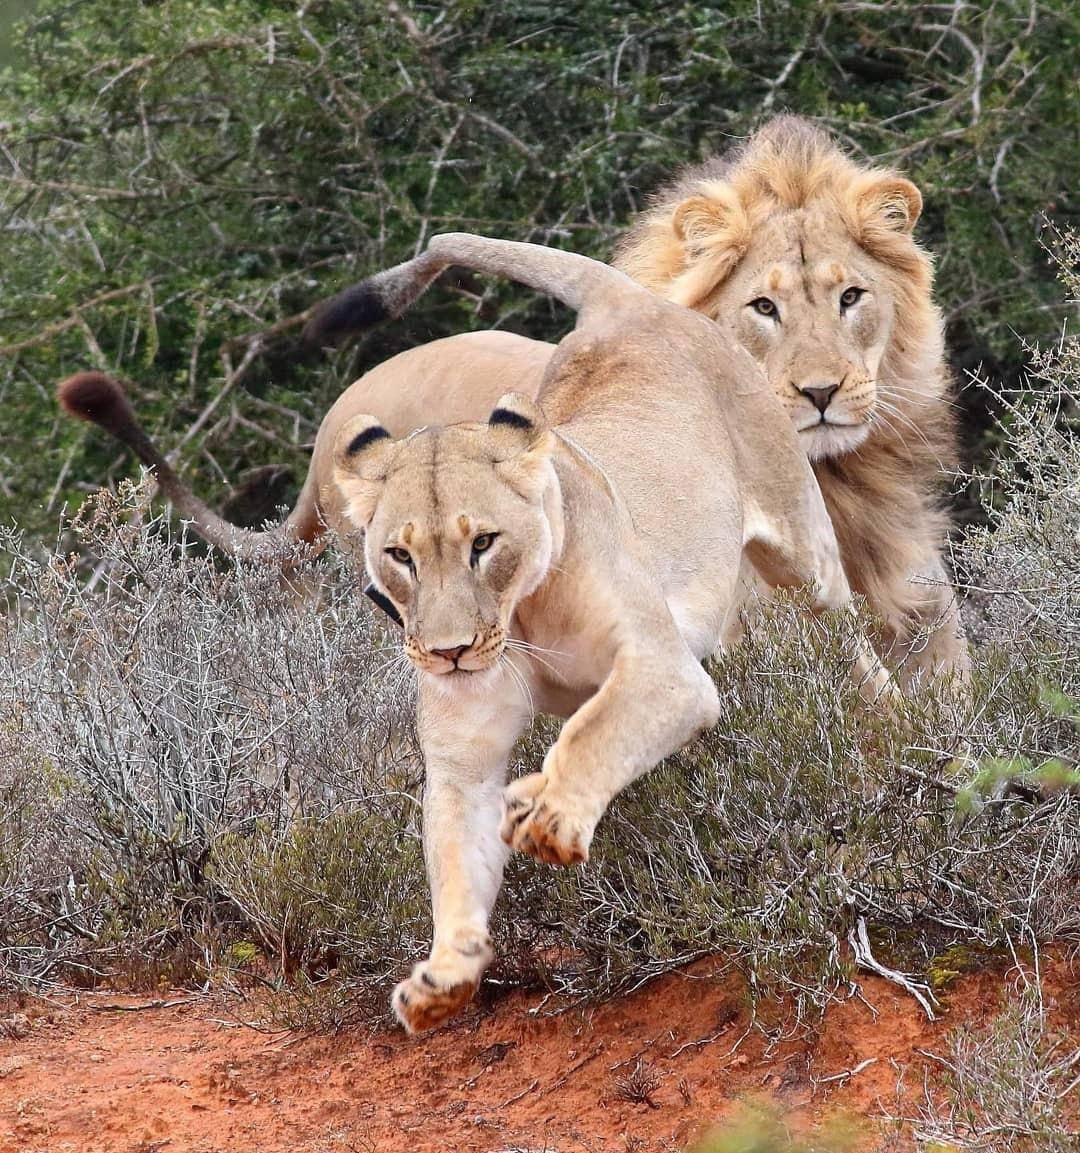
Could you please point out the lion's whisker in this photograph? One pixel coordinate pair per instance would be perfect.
(899, 415)
(537, 657)
(921, 398)
(520, 682)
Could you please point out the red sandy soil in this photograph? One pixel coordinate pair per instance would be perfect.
(88, 1077)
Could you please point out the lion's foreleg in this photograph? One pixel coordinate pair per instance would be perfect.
(936, 645)
(649, 706)
(466, 736)
(802, 550)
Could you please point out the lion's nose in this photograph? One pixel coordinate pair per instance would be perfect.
(820, 396)
(450, 654)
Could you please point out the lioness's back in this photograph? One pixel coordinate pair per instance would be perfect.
(458, 378)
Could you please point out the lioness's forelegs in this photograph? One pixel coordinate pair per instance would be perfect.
(466, 737)
(650, 705)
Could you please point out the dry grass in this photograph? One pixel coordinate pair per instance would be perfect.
(1005, 1087)
(204, 771)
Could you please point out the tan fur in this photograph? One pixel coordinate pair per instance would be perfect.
(788, 215)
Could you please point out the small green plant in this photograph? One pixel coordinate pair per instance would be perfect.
(1004, 1087)
(761, 1129)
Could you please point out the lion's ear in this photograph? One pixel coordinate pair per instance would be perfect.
(887, 203)
(712, 216)
(362, 453)
(525, 444)
(519, 416)
(713, 229)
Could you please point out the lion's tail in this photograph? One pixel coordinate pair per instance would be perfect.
(95, 397)
(575, 280)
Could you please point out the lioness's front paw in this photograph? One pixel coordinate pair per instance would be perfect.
(538, 820)
(442, 984)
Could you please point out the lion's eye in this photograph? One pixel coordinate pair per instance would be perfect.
(483, 542)
(851, 296)
(763, 306)
(401, 555)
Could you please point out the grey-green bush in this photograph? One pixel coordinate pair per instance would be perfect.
(195, 757)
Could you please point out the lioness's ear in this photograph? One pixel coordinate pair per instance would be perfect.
(362, 453)
(714, 230)
(520, 416)
(520, 425)
(885, 202)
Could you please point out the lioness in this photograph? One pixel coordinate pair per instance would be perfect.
(578, 556)
(809, 260)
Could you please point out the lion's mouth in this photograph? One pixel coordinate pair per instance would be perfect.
(457, 670)
(824, 438)
(823, 421)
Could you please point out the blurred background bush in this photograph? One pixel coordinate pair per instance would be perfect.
(179, 180)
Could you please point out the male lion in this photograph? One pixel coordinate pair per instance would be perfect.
(809, 260)
(578, 555)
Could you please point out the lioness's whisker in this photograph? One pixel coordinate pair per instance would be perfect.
(521, 683)
(518, 642)
(534, 652)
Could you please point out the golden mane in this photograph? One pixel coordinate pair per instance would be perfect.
(709, 212)
(884, 497)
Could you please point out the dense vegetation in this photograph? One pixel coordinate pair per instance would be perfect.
(207, 778)
(180, 180)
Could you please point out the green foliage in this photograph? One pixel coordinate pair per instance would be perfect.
(759, 1129)
(216, 168)
(326, 895)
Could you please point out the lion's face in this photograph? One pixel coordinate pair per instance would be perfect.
(817, 311)
(459, 524)
(809, 260)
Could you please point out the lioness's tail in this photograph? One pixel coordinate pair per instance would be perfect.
(97, 398)
(575, 280)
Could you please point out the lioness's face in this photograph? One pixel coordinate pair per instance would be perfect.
(457, 529)
(817, 312)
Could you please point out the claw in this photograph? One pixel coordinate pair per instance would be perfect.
(537, 821)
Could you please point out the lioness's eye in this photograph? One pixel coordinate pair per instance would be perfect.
(483, 542)
(401, 555)
(850, 296)
(763, 306)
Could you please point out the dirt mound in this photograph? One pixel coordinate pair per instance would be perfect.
(645, 1072)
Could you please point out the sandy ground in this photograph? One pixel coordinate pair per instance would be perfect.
(88, 1077)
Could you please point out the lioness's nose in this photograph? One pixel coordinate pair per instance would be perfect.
(820, 396)
(450, 654)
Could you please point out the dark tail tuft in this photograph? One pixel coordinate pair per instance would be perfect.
(98, 398)
(354, 310)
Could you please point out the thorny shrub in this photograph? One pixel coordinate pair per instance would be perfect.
(1006, 1086)
(208, 767)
